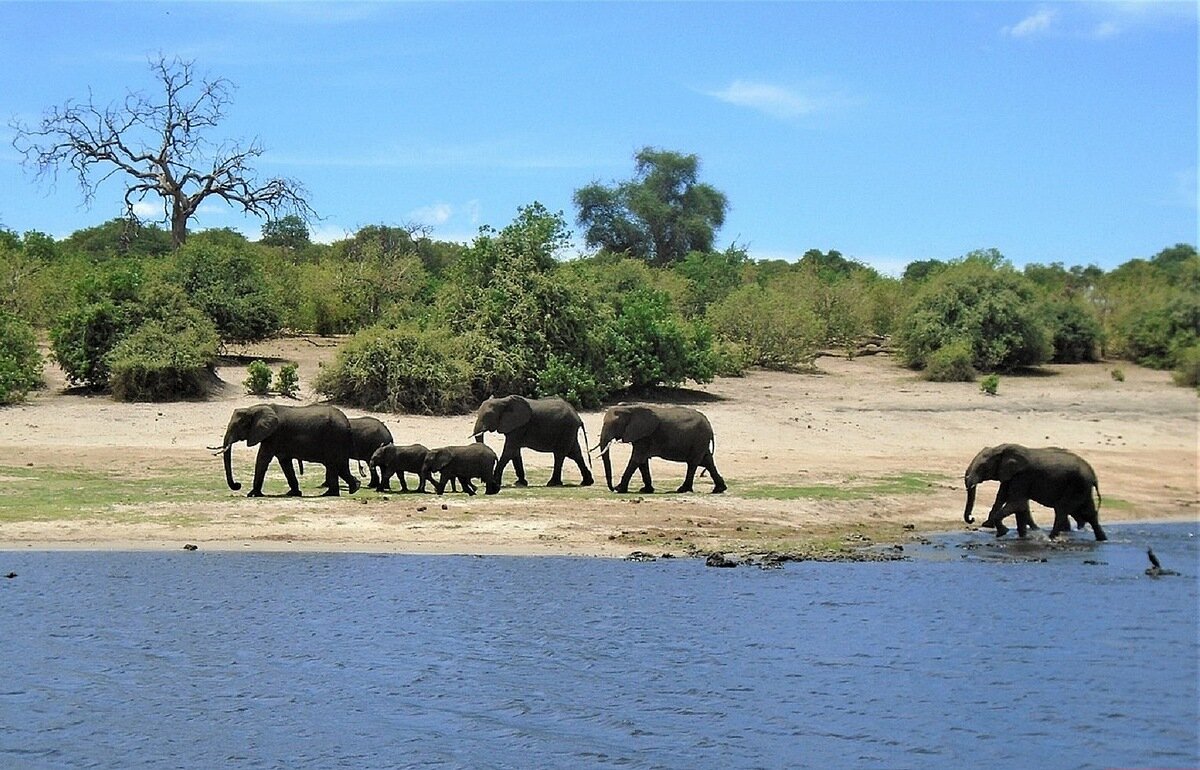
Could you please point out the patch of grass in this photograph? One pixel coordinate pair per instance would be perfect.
(1115, 504)
(53, 494)
(852, 489)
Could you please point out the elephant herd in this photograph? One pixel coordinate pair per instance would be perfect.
(1049, 476)
(323, 434)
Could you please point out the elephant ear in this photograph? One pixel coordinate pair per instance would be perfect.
(441, 458)
(516, 415)
(642, 422)
(1011, 463)
(264, 424)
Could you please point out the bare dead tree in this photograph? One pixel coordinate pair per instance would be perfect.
(159, 144)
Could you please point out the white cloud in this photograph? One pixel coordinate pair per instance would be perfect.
(1104, 20)
(147, 210)
(328, 233)
(1039, 23)
(433, 214)
(773, 100)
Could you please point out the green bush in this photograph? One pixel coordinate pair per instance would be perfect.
(288, 382)
(990, 384)
(1075, 331)
(82, 338)
(163, 360)
(992, 309)
(404, 369)
(950, 363)
(258, 383)
(1187, 370)
(226, 282)
(20, 362)
(767, 327)
(1118, 374)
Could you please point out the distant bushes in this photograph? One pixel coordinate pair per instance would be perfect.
(168, 355)
(405, 369)
(20, 362)
(227, 283)
(992, 311)
(510, 314)
(143, 340)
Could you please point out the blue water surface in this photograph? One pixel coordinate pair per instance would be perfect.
(1015, 657)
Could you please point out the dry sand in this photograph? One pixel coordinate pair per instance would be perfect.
(858, 422)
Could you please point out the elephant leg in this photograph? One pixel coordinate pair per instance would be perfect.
(1062, 522)
(688, 478)
(718, 482)
(576, 455)
(376, 482)
(261, 463)
(467, 486)
(332, 487)
(623, 484)
(404, 483)
(385, 481)
(647, 484)
(1023, 518)
(289, 473)
(556, 476)
(519, 467)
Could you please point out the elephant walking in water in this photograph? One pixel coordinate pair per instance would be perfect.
(671, 432)
(541, 424)
(319, 434)
(1048, 476)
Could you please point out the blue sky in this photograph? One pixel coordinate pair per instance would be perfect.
(888, 131)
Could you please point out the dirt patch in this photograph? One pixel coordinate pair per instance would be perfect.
(792, 447)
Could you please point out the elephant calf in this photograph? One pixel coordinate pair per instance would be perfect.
(1048, 476)
(389, 460)
(471, 461)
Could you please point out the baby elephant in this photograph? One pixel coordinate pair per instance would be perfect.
(470, 461)
(390, 460)
(1048, 476)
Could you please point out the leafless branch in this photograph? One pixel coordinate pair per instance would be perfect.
(160, 146)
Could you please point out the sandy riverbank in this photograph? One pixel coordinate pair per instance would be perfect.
(863, 452)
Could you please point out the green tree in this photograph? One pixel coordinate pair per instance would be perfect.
(120, 237)
(992, 308)
(289, 232)
(227, 284)
(659, 216)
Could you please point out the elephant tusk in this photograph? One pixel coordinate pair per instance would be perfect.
(607, 446)
(219, 450)
(477, 435)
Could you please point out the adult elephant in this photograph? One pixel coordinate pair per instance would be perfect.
(471, 461)
(671, 432)
(319, 434)
(366, 435)
(541, 424)
(1049, 476)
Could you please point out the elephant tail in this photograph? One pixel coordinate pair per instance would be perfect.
(587, 450)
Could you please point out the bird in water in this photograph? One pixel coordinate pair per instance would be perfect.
(1156, 569)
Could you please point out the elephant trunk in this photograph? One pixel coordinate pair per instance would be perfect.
(479, 430)
(970, 503)
(228, 458)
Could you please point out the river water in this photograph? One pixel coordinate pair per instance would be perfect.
(969, 655)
